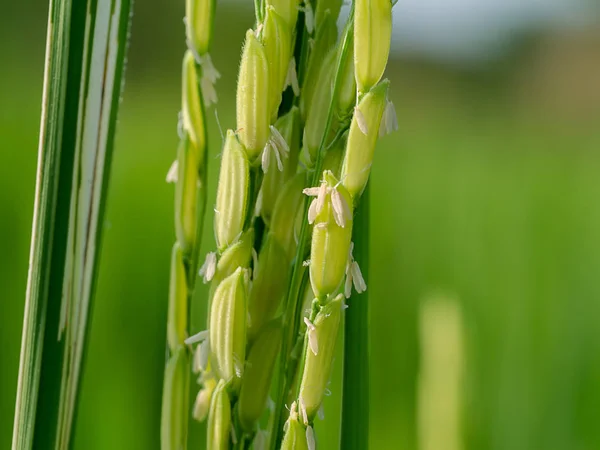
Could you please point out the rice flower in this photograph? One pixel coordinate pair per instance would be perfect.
(199, 24)
(219, 419)
(257, 377)
(317, 365)
(331, 213)
(227, 328)
(268, 286)
(178, 294)
(287, 211)
(186, 195)
(295, 434)
(287, 9)
(362, 138)
(174, 419)
(191, 108)
(232, 192)
(277, 41)
(253, 105)
(372, 39)
(288, 127)
(323, 43)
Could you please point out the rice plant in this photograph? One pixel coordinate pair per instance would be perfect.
(310, 107)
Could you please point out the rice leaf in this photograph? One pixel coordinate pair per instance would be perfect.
(85, 54)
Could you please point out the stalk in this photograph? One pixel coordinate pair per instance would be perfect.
(355, 399)
(86, 46)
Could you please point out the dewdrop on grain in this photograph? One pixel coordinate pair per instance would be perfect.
(186, 195)
(191, 109)
(257, 377)
(277, 41)
(227, 328)
(362, 138)
(331, 237)
(253, 105)
(174, 419)
(178, 292)
(317, 367)
(232, 192)
(219, 419)
(372, 35)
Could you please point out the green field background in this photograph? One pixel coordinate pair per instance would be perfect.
(488, 193)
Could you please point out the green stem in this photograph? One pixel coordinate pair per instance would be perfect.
(355, 402)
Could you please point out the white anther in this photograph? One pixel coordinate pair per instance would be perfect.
(291, 79)
(321, 197)
(357, 278)
(321, 412)
(277, 157)
(282, 145)
(294, 411)
(208, 269)
(302, 409)
(389, 121)
(340, 208)
(311, 191)
(266, 157)
(309, 18)
(348, 284)
(306, 263)
(173, 172)
(312, 211)
(310, 438)
(309, 324)
(198, 337)
(201, 357)
(209, 93)
(361, 121)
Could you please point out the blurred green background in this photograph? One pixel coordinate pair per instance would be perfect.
(488, 194)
